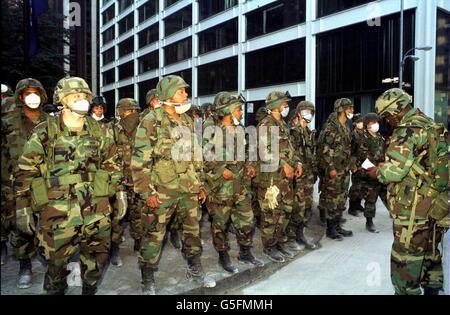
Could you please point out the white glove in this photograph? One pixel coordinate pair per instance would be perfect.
(122, 204)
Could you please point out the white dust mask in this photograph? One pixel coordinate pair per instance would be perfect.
(33, 100)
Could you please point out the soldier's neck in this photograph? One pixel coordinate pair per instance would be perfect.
(303, 123)
(32, 114)
(72, 121)
(171, 111)
(227, 121)
(276, 115)
(342, 118)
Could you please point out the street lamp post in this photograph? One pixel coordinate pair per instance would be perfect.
(413, 57)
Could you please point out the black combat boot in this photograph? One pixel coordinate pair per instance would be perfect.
(148, 281)
(430, 291)
(4, 253)
(340, 230)
(114, 256)
(88, 289)
(370, 226)
(225, 262)
(353, 209)
(331, 231)
(137, 245)
(175, 239)
(24, 278)
(301, 238)
(323, 220)
(195, 272)
(273, 254)
(246, 256)
(285, 251)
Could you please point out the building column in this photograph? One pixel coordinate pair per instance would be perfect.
(135, 52)
(425, 67)
(161, 37)
(310, 65)
(195, 20)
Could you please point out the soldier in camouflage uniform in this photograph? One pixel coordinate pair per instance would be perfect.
(124, 132)
(335, 163)
(69, 170)
(371, 147)
(275, 182)
(6, 91)
(225, 172)
(152, 101)
(303, 140)
(416, 171)
(24, 113)
(170, 185)
(356, 190)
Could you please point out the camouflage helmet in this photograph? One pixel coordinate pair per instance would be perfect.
(305, 105)
(168, 86)
(275, 99)
(150, 96)
(126, 104)
(6, 90)
(30, 83)
(70, 85)
(392, 102)
(370, 117)
(8, 104)
(225, 103)
(341, 104)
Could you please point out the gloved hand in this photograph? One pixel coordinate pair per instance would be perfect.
(25, 221)
(122, 204)
(271, 196)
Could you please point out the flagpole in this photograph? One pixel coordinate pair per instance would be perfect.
(26, 38)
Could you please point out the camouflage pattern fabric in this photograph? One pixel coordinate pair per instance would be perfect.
(356, 189)
(273, 222)
(75, 160)
(176, 183)
(334, 151)
(415, 259)
(303, 141)
(228, 199)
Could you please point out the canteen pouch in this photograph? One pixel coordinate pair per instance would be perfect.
(39, 192)
(101, 184)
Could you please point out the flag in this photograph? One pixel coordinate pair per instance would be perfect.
(38, 7)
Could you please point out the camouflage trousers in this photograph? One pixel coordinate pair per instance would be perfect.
(274, 222)
(356, 190)
(185, 207)
(333, 194)
(420, 265)
(58, 245)
(370, 191)
(237, 209)
(303, 199)
(255, 202)
(23, 244)
(133, 216)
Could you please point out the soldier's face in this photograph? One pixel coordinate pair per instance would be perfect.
(98, 110)
(349, 110)
(180, 96)
(128, 112)
(237, 113)
(74, 97)
(154, 102)
(29, 91)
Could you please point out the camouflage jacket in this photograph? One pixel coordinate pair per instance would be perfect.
(303, 140)
(152, 164)
(334, 148)
(408, 141)
(287, 153)
(125, 147)
(221, 158)
(16, 129)
(70, 156)
(369, 147)
(357, 135)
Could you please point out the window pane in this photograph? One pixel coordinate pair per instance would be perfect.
(218, 76)
(178, 51)
(126, 24)
(110, 103)
(185, 74)
(109, 56)
(109, 76)
(108, 35)
(178, 21)
(126, 92)
(168, 3)
(149, 62)
(126, 47)
(109, 14)
(442, 68)
(275, 16)
(126, 70)
(287, 64)
(148, 10)
(211, 7)
(149, 35)
(144, 87)
(219, 36)
(123, 4)
(326, 7)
